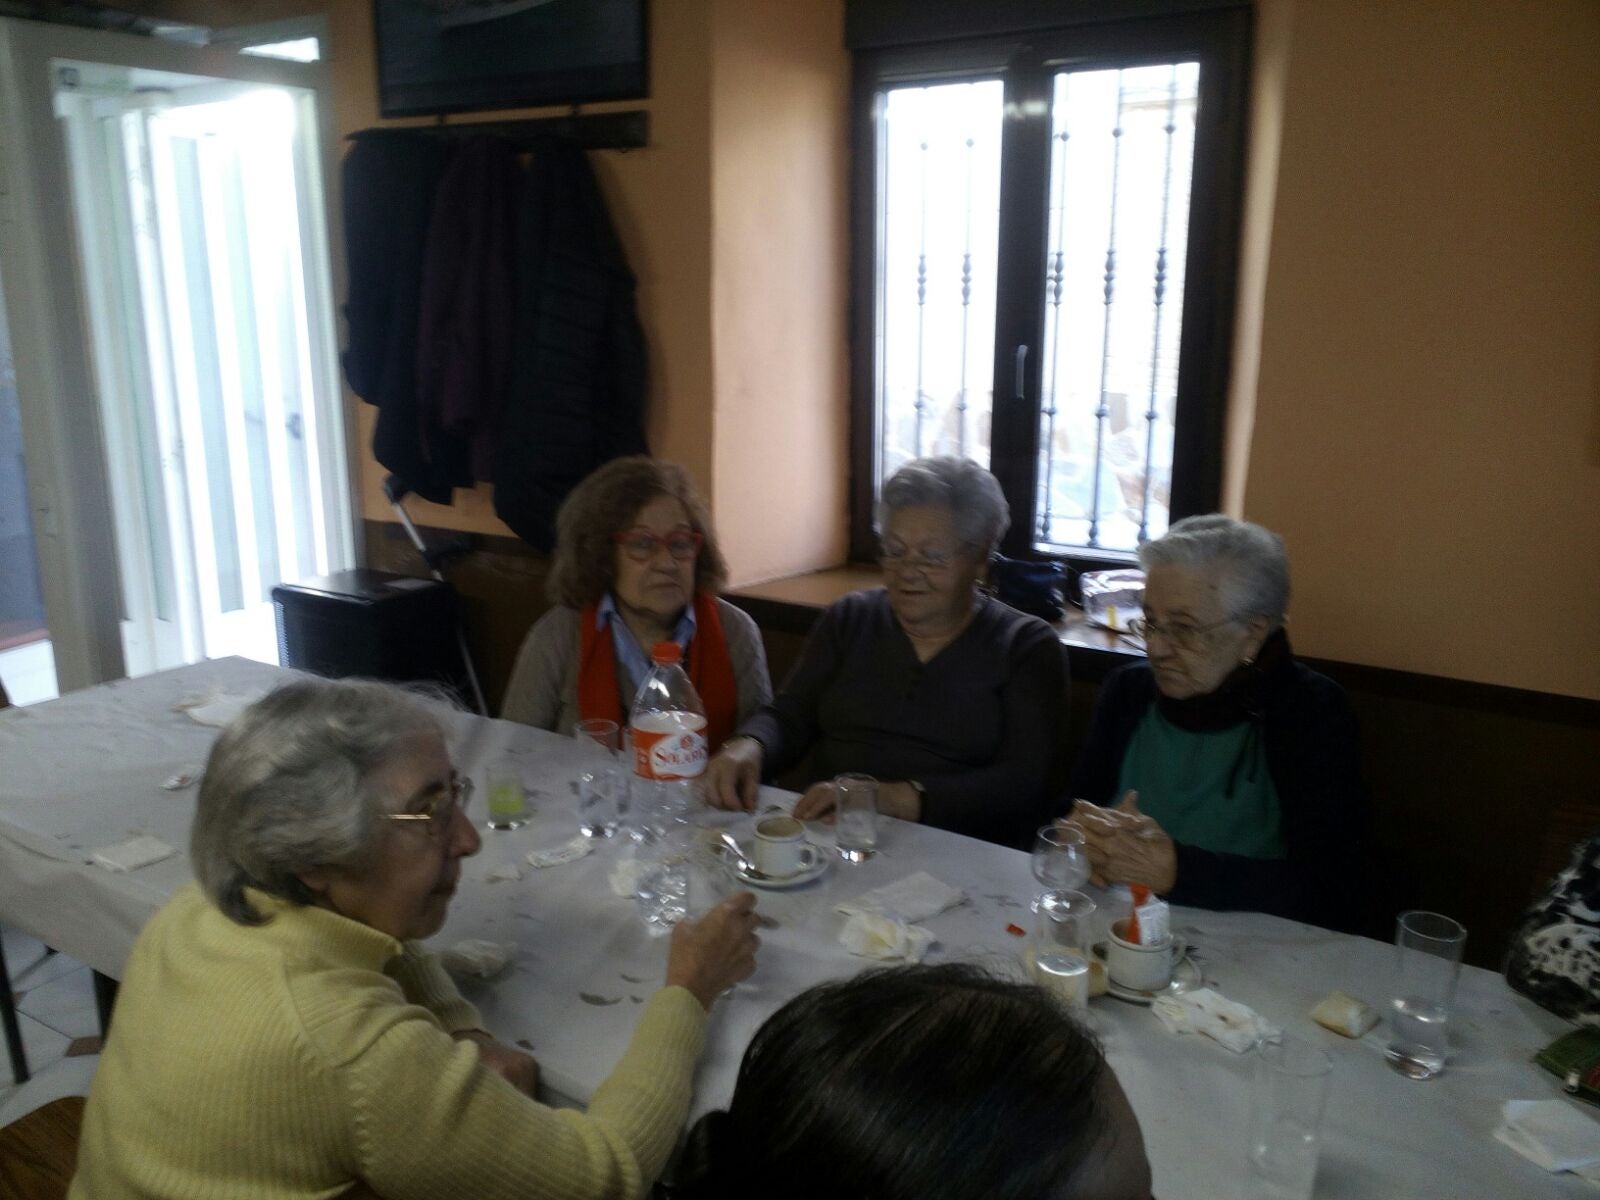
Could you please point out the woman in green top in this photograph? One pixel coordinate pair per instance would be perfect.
(1221, 772)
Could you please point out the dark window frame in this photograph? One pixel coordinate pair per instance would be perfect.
(1221, 41)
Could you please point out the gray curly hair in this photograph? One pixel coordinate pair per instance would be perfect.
(289, 786)
(971, 495)
(1252, 564)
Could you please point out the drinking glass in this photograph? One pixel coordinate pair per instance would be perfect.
(1060, 859)
(599, 778)
(508, 799)
(1291, 1090)
(1063, 929)
(1427, 964)
(856, 816)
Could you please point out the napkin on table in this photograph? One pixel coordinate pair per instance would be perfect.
(624, 878)
(477, 957)
(1552, 1134)
(217, 709)
(132, 854)
(1236, 1026)
(875, 935)
(554, 856)
(914, 898)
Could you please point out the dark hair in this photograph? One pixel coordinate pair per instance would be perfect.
(606, 503)
(930, 1082)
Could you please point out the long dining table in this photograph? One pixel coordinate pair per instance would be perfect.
(101, 765)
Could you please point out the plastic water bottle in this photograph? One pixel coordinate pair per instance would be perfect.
(669, 738)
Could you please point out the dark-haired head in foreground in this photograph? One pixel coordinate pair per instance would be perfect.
(921, 1083)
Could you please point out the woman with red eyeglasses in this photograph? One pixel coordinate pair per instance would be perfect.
(636, 563)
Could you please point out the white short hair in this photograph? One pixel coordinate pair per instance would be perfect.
(1250, 560)
(289, 786)
(971, 495)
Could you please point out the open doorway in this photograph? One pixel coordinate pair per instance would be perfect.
(27, 660)
(186, 185)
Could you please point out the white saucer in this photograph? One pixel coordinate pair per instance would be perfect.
(1186, 976)
(815, 859)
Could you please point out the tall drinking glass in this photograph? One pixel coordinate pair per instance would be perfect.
(1291, 1090)
(1062, 933)
(1427, 964)
(599, 778)
(856, 816)
(1060, 859)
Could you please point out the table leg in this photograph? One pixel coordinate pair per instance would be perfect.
(105, 995)
(8, 1016)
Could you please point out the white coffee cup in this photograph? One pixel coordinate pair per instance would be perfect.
(780, 846)
(1141, 968)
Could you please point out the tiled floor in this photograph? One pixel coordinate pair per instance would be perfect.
(55, 1004)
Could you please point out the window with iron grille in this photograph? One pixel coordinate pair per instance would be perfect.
(1046, 235)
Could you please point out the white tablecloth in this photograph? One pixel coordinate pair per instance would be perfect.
(86, 770)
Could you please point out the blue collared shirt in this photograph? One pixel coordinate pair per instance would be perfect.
(632, 657)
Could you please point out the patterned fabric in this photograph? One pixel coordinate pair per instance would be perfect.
(1555, 954)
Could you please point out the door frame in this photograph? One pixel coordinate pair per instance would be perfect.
(63, 441)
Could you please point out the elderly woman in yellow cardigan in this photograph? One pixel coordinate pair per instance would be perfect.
(280, 1032)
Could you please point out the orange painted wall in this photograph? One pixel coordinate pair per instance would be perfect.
(1427, 424)
(780, 353)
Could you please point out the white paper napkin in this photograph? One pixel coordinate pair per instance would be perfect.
(624, 878)
(554, 856)
(1236, 1026)
(218, 709)
(874, 935)
(1550, 1133)
(914, 898)
(132, 854)
(477, 957)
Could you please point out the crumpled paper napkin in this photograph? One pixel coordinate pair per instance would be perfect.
(216, 708)
(1235, 1025)
(554, 856)
(875, 935)
(132, 854)
(1552, 1134)
(624, 878)
(914, 898)
(478, 958)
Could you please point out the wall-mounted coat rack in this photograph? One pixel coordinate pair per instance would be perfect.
(628, 130)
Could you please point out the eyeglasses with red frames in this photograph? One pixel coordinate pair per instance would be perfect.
(641, 545)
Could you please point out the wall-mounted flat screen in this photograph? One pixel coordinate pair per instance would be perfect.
(438, 56)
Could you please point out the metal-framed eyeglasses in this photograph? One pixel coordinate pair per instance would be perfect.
(1185, 635)
(440, 808)
(641, 545)
(895, 554)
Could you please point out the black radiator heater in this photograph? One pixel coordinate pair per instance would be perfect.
(375, 625)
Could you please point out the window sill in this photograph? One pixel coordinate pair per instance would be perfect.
(791, 604)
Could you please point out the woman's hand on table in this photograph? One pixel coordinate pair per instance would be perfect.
(1125, 845)
(712, 954)
(520, 1069)
(819, 801)
(733, 776)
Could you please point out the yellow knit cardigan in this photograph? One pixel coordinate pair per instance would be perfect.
(298, 1057)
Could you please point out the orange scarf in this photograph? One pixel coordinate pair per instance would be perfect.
(710, 670)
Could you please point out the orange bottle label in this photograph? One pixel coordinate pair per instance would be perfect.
(669, 746)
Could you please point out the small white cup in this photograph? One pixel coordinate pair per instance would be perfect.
(780, 846)
(1142, 968)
